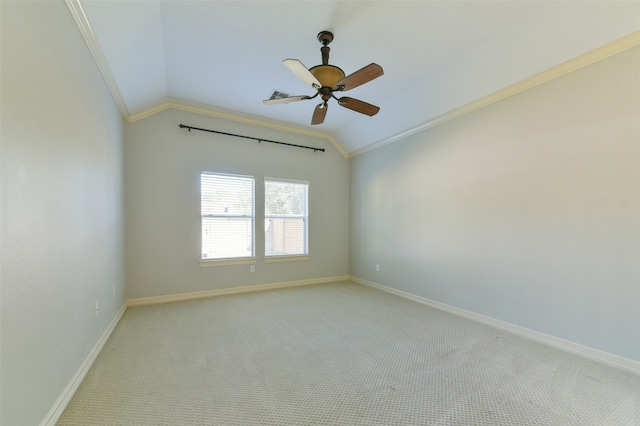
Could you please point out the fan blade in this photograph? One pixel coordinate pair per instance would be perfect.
(358, 106)
(319, 113)
(302, 72)
(285, 100)
(359, 77)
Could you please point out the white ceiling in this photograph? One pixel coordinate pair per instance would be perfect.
(436, 55)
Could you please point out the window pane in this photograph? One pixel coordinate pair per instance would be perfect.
(285, 237)
(285, 198)
(227, 216)
(286, 218)
(226, 237)
(226, 195)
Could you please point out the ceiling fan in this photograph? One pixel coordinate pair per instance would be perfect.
(327, 79)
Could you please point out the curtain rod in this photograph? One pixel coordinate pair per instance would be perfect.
(184, 126)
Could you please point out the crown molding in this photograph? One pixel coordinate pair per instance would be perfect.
(96, 51)
(101, 61)
(618, 46)
(232, 116)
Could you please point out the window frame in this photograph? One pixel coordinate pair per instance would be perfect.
(237, 260)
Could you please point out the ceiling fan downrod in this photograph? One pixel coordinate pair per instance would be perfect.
(325, 37)
(327, 75)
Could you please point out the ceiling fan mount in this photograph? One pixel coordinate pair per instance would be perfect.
(325, 37)
(327, 79)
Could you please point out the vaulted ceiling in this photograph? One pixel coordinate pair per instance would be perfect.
(437, 55)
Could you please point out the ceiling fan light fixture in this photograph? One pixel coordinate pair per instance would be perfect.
(327, 75)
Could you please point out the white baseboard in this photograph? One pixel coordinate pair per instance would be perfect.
(594, 354)
(232, 290)
(65, 397)
(566, 345)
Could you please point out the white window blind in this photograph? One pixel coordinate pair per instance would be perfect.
(286, 219)
(227, 208)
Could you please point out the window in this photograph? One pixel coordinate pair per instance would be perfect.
(285, 217)
(227, 208)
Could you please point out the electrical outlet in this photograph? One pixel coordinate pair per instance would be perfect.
(377, 267)
(97, 309)
(252, 268)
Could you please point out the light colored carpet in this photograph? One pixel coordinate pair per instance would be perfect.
(337, 354)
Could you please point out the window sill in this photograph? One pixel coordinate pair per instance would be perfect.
(293, 258)
(205, 263)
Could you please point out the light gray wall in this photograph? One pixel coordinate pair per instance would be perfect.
(162, 170)
(62, 244)
(527, 211)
